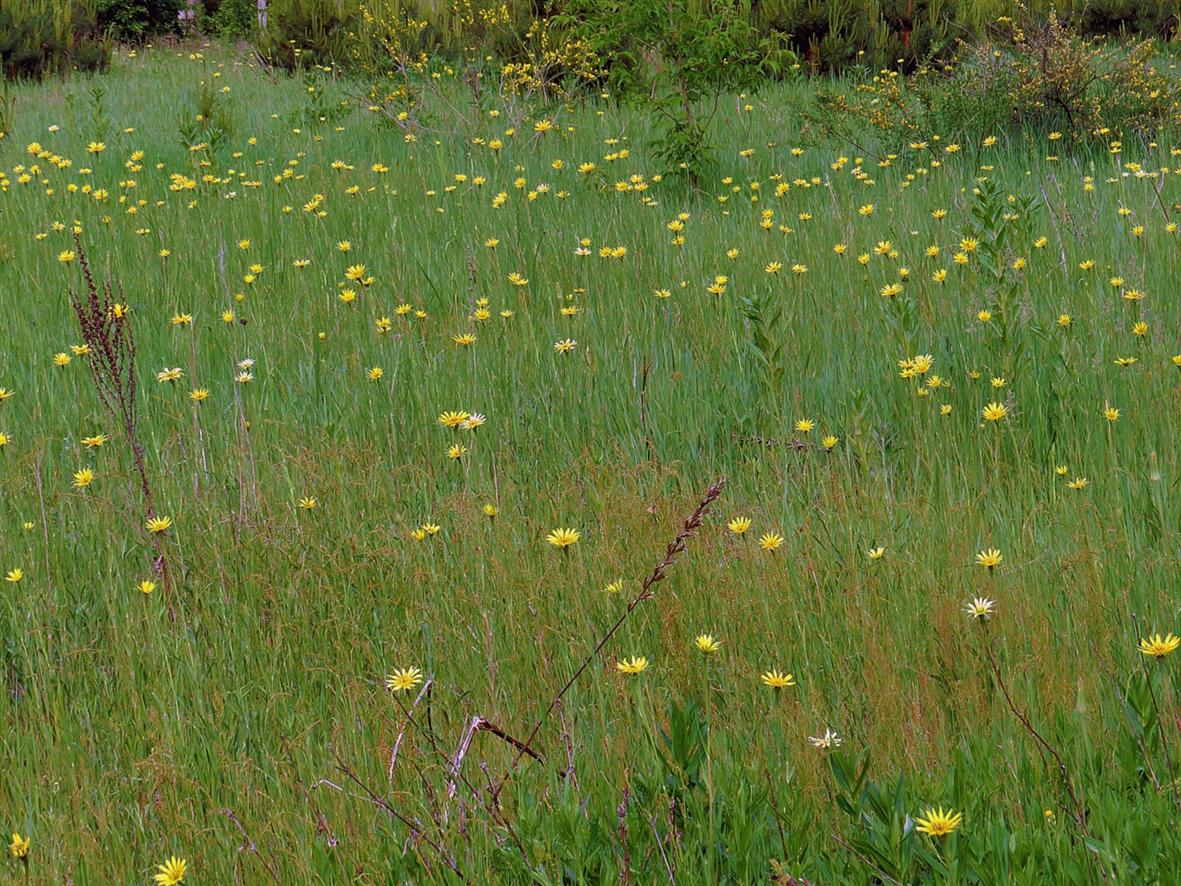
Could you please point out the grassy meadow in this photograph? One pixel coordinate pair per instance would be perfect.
(900, 358)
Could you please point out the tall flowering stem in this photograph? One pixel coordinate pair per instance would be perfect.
(1078, 809)
(107, 331)
(675, 548)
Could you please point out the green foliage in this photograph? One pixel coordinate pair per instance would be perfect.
(7, 109)
(211, 721)
(229, 18)
(135, 20)
(204, 126)
(1030, 75)
(679, 58)
(304, 33)
(766, 330)
(323, 106)
(39, 37)
(1047, 74)
(833, 36)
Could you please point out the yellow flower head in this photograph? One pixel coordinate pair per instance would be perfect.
(171, 872)
(739, 525)
(994, 411)
(633, 666)
(563, 537)
(990, 558)
(19, 847)
(980, 608)
(777, 680)
(403, 679)
(707, 644)
(1158, 647)
(156, 525)
(937, 822)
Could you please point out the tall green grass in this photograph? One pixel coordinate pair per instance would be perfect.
(130, 733)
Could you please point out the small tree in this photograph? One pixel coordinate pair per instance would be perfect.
(679, 57)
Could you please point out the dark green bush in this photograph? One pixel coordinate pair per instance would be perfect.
(133, 21)
(304, 33)
(1030, 76)
(40, 39)
(229, 18)
(678, 58)
(1130, 17)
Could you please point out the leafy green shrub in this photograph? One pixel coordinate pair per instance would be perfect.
(136, 20)
(827, 35)
(303, 33)
(229, 18)
(1154, 19)
(1046, 74)
(1032, 75)
(679, 58)
(39, 37)
(208, 122)
(833, 36)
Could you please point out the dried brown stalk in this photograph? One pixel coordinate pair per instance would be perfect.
(675, 548)
(409, 719)
(1078, 811)
(621, 813)
(108, 333)
(416, 833)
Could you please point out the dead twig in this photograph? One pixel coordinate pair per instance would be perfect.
(672, 878)
(251, 846)
(415, 831)
(402, 732)
(1078, 811)
(886, 878)
(675, 548)
(479, 724)
(625, 877)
